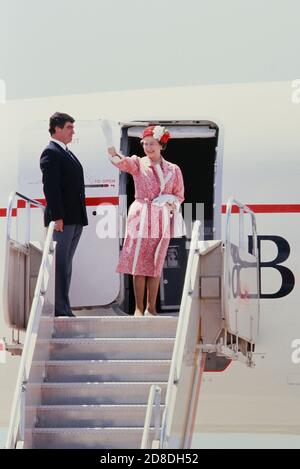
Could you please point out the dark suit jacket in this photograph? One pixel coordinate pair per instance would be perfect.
(63, 183)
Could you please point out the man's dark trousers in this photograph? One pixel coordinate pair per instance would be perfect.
(67, 241)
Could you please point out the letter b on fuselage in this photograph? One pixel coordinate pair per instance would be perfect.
(287, 276)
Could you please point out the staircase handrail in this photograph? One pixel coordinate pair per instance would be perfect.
(8, 240)
(174, 369)
(28, 201)
(16, 430)
(242, 208)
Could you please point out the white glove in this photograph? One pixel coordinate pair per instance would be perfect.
(116, 159)
(167, 199)
(107, 131)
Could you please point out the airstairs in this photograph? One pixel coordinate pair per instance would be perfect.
(96, 381)
(115, 381)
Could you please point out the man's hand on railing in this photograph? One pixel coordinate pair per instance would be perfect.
(59, 225)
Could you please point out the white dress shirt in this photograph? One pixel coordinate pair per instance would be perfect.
(63, 145)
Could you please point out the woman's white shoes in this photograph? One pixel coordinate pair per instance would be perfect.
(146, 313)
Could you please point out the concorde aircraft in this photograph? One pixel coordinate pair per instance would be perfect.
(238, 141)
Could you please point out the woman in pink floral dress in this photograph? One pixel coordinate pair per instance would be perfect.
(159, 191)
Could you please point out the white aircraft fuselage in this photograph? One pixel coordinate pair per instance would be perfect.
(257, 162)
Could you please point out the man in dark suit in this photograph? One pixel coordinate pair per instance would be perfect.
(63, 183)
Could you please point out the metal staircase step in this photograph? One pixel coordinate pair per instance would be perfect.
(85, 438)
(96, 383)
(93, 393)
(114, 326)
(92, 416)
(97, 370)
(106, 349)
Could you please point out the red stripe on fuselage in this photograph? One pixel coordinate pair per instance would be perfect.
(93, 201)
(89, 201)
(4, 210)
(268, 208)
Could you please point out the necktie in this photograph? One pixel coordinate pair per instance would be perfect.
(71, 154)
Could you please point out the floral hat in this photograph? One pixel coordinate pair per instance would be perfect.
(158, 132)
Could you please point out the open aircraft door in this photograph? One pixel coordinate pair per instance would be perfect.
(94, 278)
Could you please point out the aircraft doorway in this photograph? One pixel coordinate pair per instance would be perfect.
(193, 147)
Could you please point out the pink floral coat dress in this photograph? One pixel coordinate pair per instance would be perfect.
(149, 224)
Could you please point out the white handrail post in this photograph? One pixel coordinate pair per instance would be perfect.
(43, 288)
(22, 411)
(10, 204)
(51, 246)
(157, 401)
(254, 236)
(163, 427)
(153, 400)
(145, 438)
(28, 223)
(241, 228)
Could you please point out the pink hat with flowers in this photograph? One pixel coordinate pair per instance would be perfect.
(158, 132)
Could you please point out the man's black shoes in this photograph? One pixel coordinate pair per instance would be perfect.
(65, 315)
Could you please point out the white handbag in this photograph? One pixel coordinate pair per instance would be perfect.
(178, 225)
